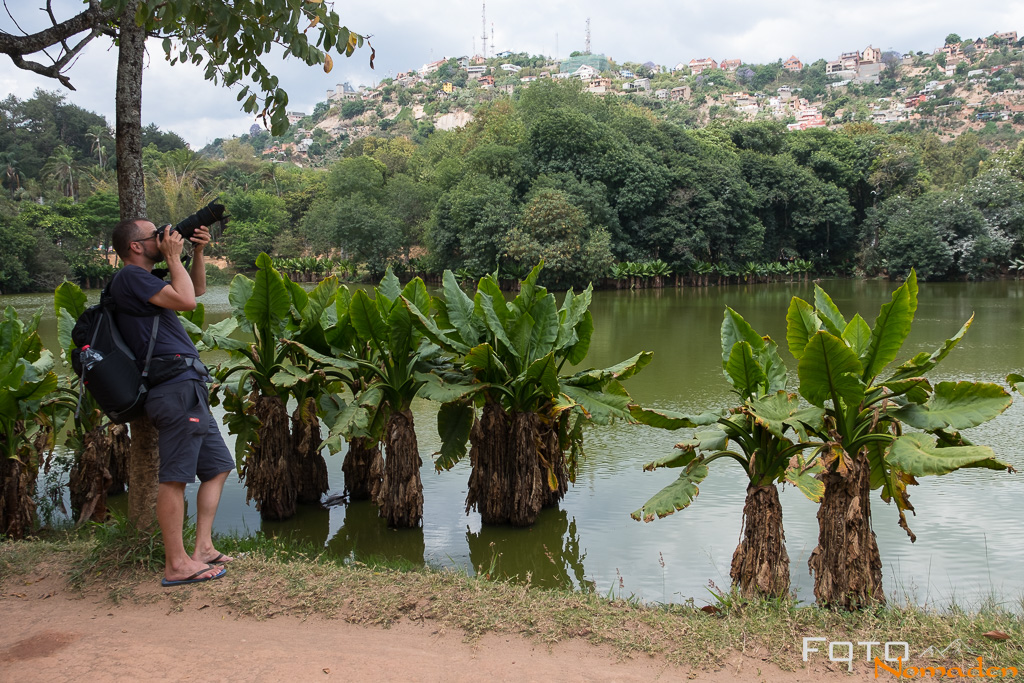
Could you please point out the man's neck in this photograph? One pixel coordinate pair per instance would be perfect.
(140, 261)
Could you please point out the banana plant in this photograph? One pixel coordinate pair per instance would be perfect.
(261, 376)
(401, 359)
(766, 435)
(842, 368)
(100, 447)
(27, 427)
(527, 441)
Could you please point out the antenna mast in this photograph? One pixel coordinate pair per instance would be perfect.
(483, 24)
(587, 50)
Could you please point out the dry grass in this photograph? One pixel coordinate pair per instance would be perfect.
(272, 580)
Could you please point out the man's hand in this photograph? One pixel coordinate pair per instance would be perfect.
(171, 245)
(200, 238)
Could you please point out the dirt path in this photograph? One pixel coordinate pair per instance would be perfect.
(50, 634)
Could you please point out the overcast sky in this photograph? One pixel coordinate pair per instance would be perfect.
(409, 33)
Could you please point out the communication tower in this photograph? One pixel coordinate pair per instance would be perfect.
(483, 25)
(587, 50)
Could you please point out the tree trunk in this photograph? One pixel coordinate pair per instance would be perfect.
(120, 444)
(760, 565)
(143, 474)
(16, 504)
(310, 468)
(131, 54)
(268, 473)
(528, 487)
(401, 492)
(90, 478)
(846, 564)
(553, 469)
(363, 469)
(489, 477)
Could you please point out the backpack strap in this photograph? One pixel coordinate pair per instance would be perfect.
(149, 351)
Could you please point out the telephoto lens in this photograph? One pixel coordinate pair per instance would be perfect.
(208, 215)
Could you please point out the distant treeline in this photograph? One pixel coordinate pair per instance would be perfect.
(578, 180)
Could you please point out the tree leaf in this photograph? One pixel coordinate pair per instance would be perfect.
(460, 310)
(676, 496)
(682, 454)
(584, 331)
(267, 307)
(829, 367)
(1015, 381)
(891, 328)
(806, 479)
(858, 335)
(390, 286)
(801, 325)
(923, 362)
(774, 367)
(780, 410)
(366, 320)
(745, 374)
(959, 405)
(70, 297)
(601, 407)
(239, 293)
(828, 312)
(487, 308)
(671, 420)
(545, 328)
(917, 455)
(454, 422)
(436, 389)
(544, 372)
(735, 329)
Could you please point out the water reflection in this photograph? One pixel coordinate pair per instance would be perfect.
(364, 535)
(547, 554)
(310, 526)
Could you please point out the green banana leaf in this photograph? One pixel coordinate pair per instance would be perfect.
(745, 374)
(676, 496)
(671, 420)
(802, 323)
(891, 328)
(828, 312)
(779, 411)
(918, 455)
(958, 405)
(828, 366)
(857, 334)
(454, 422)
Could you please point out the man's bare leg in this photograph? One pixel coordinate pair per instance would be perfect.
(170, 513)
(207, 500)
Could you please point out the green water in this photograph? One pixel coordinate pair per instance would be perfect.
(969, 545)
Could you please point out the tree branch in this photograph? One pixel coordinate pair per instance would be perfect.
(93, 18)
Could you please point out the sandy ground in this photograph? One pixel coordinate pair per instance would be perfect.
(48, 633)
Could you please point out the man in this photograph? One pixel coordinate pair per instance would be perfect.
(189, 439)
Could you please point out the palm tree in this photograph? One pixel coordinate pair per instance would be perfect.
(11, 171)
(63, 167)
(100, 136)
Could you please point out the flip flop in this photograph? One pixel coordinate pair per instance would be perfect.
(195, 577)
(220, 559)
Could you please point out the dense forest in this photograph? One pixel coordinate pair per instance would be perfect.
(552, 172)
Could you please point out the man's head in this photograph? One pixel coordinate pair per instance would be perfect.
(132, 238)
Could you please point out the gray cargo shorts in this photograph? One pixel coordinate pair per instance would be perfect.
(190, 441)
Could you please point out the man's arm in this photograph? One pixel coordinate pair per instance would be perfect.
(200, 239)
(180, 295)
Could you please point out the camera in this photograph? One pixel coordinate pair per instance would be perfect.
(208, 215)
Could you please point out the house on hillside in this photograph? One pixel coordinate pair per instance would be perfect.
(871, 55)
(586, 72)
(700, 65)
(1008, 36)
(680, 93)
(476, 71)
(295, 116)
(793, 64)
(486, 81)
(344, 91)
(512, 68)
(678, 67)
(652, 67)
(730, 64)
(599, 85)
(626, 73)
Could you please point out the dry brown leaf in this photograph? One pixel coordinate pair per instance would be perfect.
(996, 635)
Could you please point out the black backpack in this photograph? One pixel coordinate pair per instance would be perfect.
(106, 365)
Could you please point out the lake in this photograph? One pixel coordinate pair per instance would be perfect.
(970, 545)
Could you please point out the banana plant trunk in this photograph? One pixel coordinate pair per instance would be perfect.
(401, 492)
(528, 484)
(846, 563)
(90, 479)
(16, 504)
(553, 466)
(310, 468)
(363, 469)
(143, 473)
(760, 565)
(120, 446)
(489, 478)
(268, 472)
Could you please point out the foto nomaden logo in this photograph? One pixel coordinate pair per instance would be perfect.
(979, 671)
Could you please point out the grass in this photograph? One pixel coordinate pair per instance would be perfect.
(273, 577)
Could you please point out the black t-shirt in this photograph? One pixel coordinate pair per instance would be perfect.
(132, 288)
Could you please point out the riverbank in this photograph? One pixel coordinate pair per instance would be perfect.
(74, 605)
